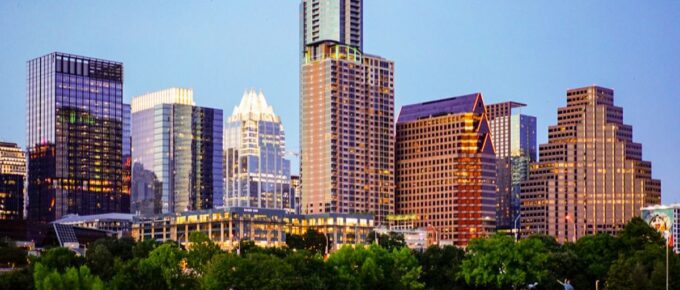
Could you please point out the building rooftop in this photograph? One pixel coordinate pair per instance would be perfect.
(74, 218)
(253, 106)
(453, 105)
(663, 206)
(182, 96)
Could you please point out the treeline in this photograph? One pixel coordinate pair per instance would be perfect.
(635, 259)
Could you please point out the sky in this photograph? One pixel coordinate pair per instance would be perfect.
(525, 51)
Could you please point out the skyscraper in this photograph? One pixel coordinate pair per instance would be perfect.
(74, 136)
(514, 138)
(176, 153)
(12, 174)
(446, 168)
(346, 113)
(257, 174)
(591, 177)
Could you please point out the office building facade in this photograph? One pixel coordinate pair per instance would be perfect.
(74, 128)
(176, 153)
(257, 174)
(514, 138)
(446, 168)
(591, 177)
(12, 177)
(347, 115)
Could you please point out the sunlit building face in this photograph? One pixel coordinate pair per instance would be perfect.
(446, 168)
(591, 177)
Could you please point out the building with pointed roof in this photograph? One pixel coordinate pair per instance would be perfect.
(256, 173)
(446, 168)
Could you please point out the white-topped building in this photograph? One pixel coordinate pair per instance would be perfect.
(256, 172)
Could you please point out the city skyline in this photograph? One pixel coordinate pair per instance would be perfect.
(633, 70)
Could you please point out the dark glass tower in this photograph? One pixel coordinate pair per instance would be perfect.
(74, 136)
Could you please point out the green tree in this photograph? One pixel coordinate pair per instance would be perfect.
(202, 249)
(164, 269)
(499, 262)
(101, 261)
(11, 256)
(59, 259)
(441, 267)
(254, 271)
(72, 279)
(142, 249)
(373, 267)
(310, 270)
(16, 280)
(388, 241)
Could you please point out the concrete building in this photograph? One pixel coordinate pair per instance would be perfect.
(176, 153)
(446, 168)
(591, 177)
(115, 224)
(256, 173)
(74, 130)
(514, 138)
(346, 115)
(12, 177)
(266, 227)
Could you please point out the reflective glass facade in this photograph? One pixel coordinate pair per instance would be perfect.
(257, 174)
(74, 136)
(177, 154)
(514, 138)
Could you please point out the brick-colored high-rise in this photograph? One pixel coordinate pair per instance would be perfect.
(591, 177)
(446, 168)
(346, 113)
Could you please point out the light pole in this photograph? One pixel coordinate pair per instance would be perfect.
(667, 235)
(326, 236)
(516, 228)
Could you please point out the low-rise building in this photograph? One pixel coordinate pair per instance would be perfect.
(119, 224)
(266, 227)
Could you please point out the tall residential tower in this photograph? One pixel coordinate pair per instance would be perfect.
(257, 174)
(591, 177)
(176, 153)
(514, 138)
(446, 168)
(74, 125)
(346, 113)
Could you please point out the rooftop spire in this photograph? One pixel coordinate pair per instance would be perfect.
(253, 106)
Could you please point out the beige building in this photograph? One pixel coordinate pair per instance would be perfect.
(347, 117)
(12, 176)
(591, 177)
(446, 168)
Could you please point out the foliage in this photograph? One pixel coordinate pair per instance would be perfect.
(201, 251)
(60, 258)
(388, 241)
(312, 241)
(374, 267)
(73, 278)
(16, 280)
(441, 266)
(11, 256)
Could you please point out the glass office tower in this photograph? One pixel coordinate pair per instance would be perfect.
(12, 174)
(257, 174)
(514, 138)
(74, 136)
(177, 153)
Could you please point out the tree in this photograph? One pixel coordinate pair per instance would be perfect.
(73, 278)
(11, 256)
(441, 267)
(17, 280)
(60, 258)
(310, 270)
(388, 241)
(499, 262)
(202, 249)
(101, 261)
(142, 249)
(373, 267)
(164, 269)
(254, 271)
(312, 241)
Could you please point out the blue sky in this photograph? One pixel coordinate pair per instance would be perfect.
(526, 51)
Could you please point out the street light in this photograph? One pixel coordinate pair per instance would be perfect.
(516, 228)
